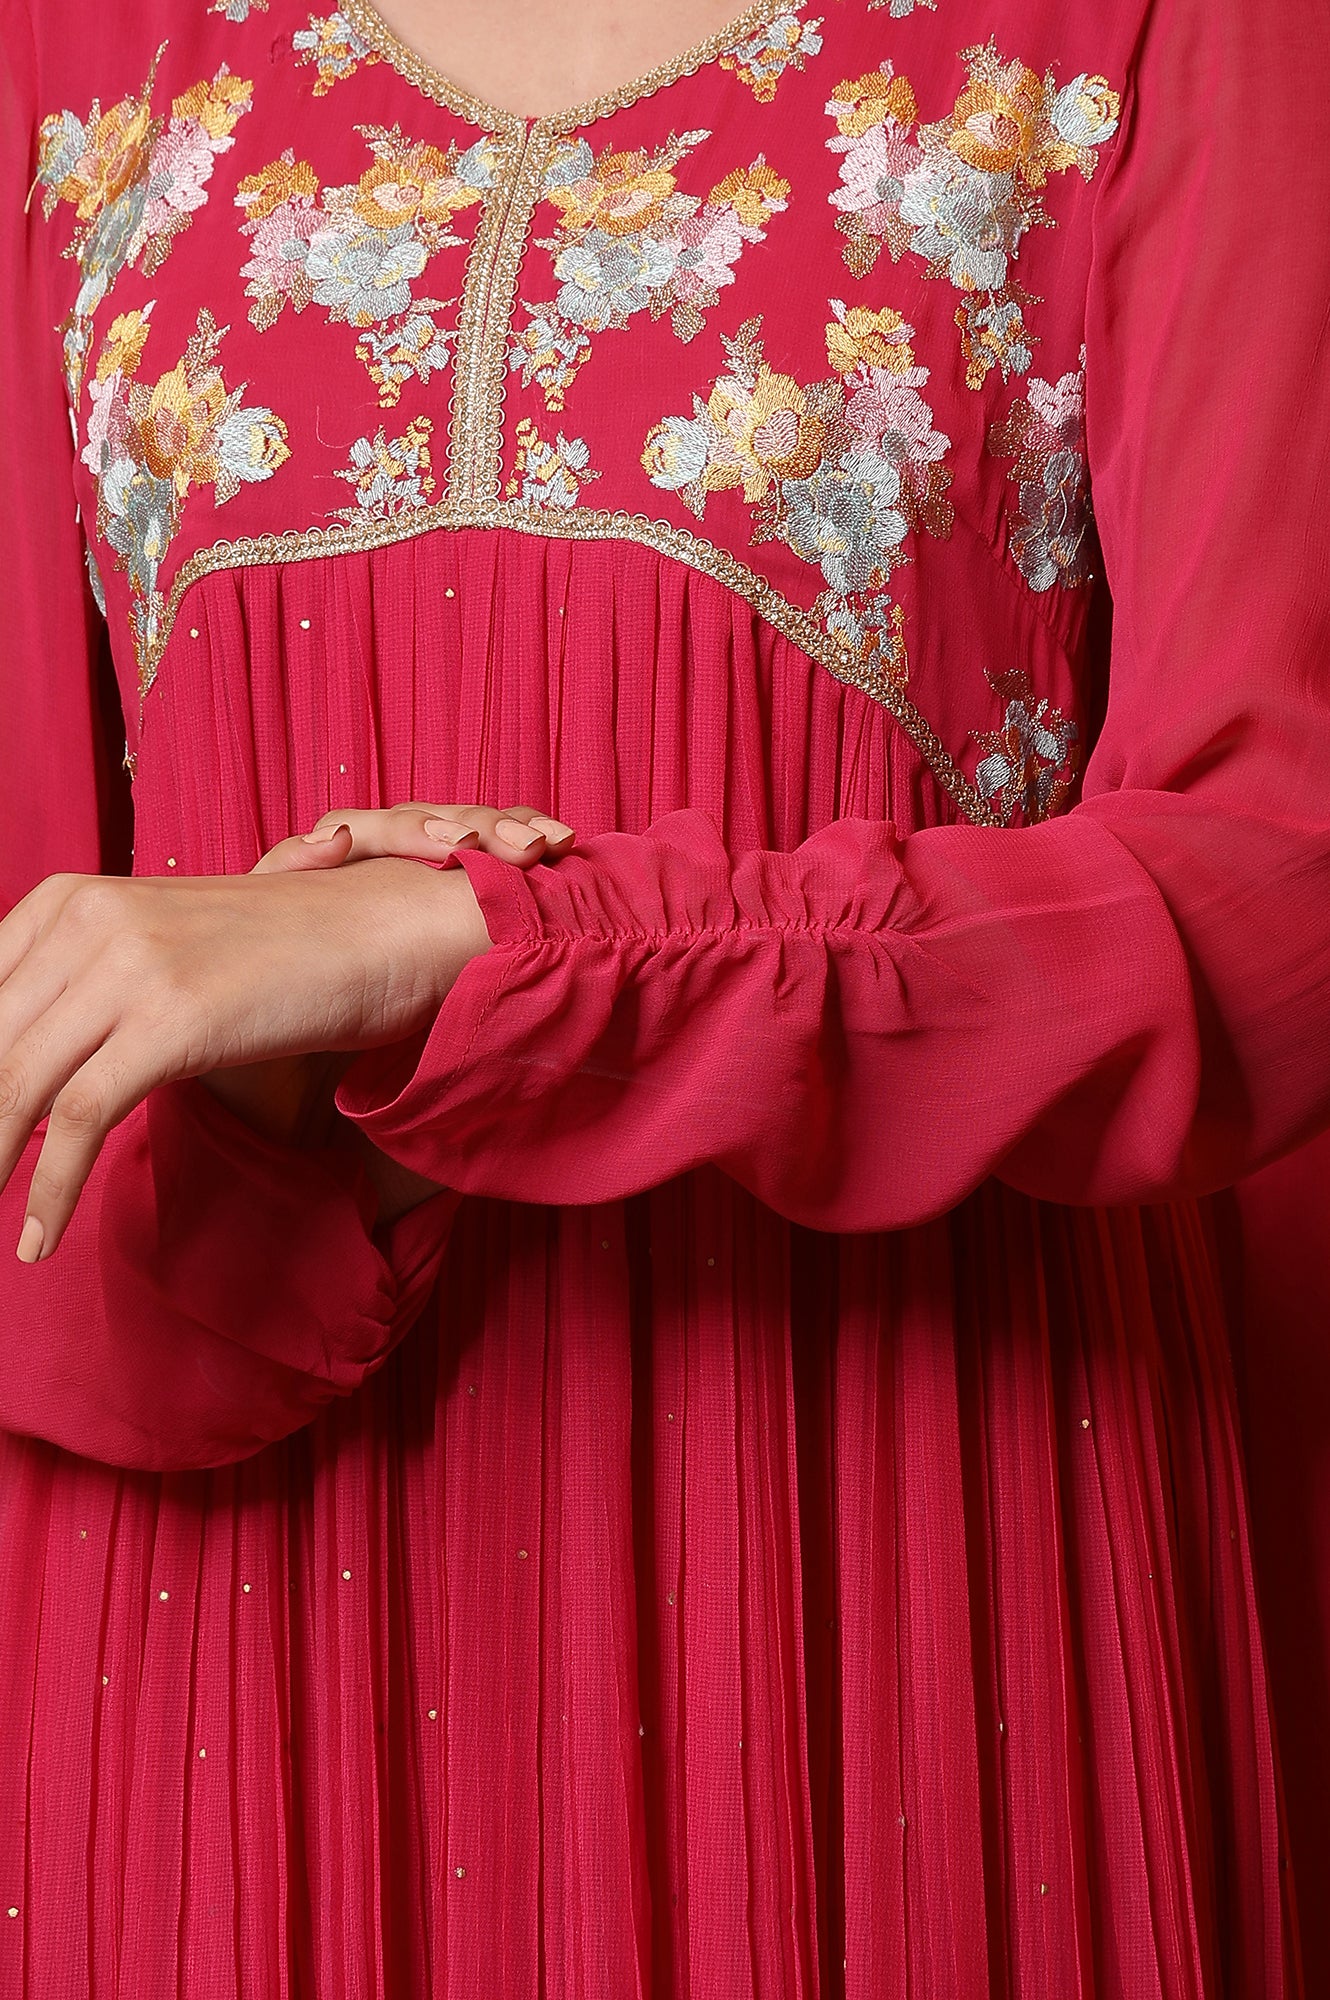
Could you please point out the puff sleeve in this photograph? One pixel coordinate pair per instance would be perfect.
(213, 1290)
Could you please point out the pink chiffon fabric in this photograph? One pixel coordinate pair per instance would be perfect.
(774, 1526)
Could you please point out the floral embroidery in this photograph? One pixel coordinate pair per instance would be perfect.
(548, 475)
(629, 241)
(762, 60)
(334, 47)
(356, 250)
(962, 193)
(391, 476)
(95, 583)
(900, 8)
(148, 447)
(134, 180)
(841, 472)
(412, 345)
(238, 10)
(1029, 764)
(1045, 436)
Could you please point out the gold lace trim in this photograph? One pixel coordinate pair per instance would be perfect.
(370, 25)
(586, 524)
(480, 363)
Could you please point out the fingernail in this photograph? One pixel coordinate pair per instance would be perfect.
(449, 830)
(31, 1241)
(553, 829)
(323, 833)
(516, 834)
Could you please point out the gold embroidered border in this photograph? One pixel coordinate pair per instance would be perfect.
(480, 365)
(586, 524)
(370, 25)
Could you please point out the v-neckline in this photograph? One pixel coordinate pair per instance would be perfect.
(372, 29)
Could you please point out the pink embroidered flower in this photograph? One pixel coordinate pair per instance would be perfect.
(890, 413)
(178, 172)
(1059, 411)
(872, 172)
(108, 423)
(709, 242)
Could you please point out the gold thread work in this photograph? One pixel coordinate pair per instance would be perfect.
(480, 364)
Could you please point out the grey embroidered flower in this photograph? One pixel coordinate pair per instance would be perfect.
(996, 330)
(95, 579)
(1084, 112)
(365, 277)
(573, 161)
(333, 44)
(249, 444)
(389, 476)
(65, 141)
(964, 220)
(549, 475)
(677, 451)
(845, 518)
(140, 519)
(475, 167)
(764, 57)
(607, 278)
(1031, 761)
(109, 246)
(1049, 534)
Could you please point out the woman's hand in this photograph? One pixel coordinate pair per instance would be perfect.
(290, 1098)
(111, 987)
(416, 832)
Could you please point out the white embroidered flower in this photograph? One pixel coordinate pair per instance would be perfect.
(676, 452)
(365, 277)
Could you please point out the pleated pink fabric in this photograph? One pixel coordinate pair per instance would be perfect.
(773, 1527)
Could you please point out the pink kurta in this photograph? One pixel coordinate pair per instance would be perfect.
(775, 1526)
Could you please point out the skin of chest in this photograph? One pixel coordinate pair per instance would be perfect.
(533, 57)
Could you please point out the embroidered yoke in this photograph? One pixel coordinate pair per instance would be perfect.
(588, 327)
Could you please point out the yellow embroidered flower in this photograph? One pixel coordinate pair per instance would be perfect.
(116, 156)
(123, 346)
(999, 124)
(768, 428)
(285, 180)
(875, 338)
(177, 425)
(752, 192)
(623, 194)
(414, 186)
(872, 99)
(218, 105)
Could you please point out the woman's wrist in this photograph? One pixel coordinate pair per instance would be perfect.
(290, 1099)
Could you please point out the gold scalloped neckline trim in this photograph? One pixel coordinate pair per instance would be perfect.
(370, 25)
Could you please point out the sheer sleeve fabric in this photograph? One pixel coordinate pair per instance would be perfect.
(1125, 1004)
(213, 1290)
